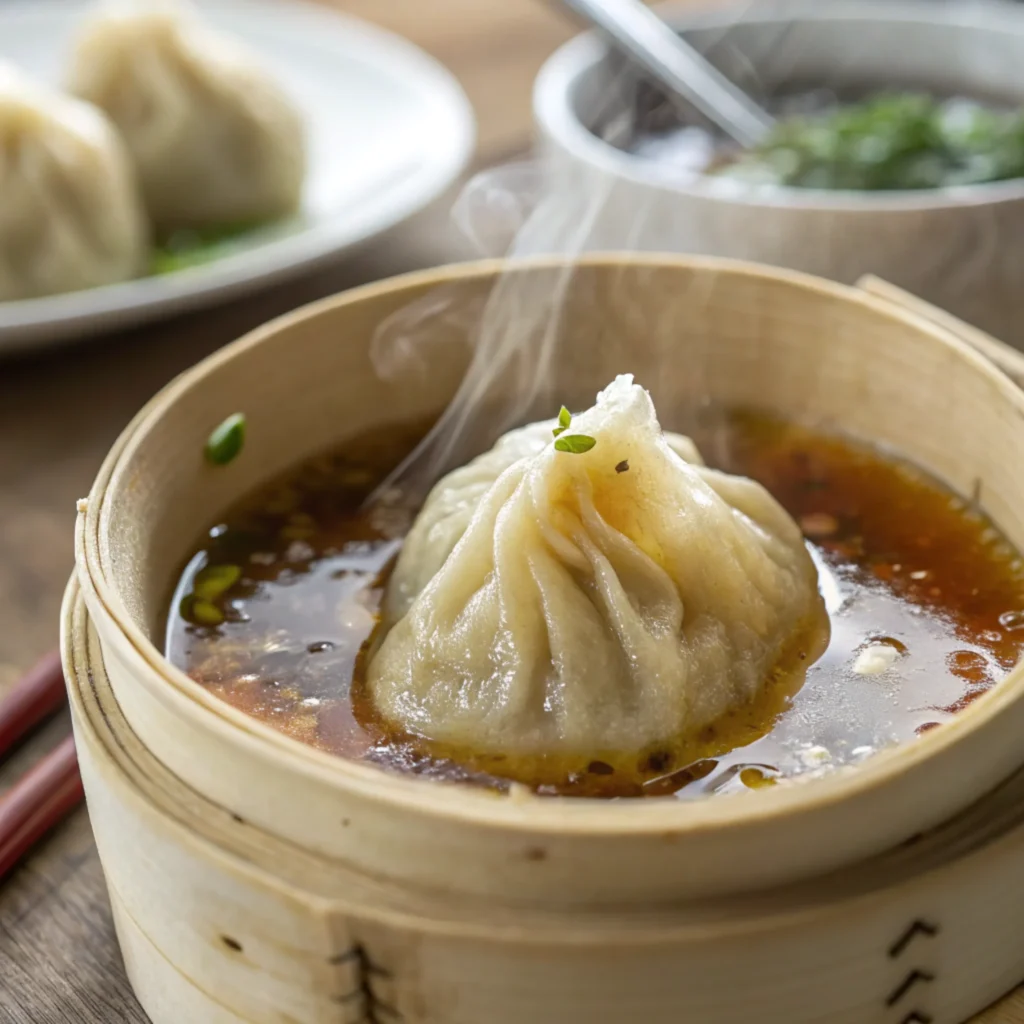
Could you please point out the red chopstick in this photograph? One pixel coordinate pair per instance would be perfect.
(51, 789)
(36, 696)
(38, 801)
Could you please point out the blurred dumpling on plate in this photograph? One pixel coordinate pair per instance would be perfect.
(215, 140)
(70, 212)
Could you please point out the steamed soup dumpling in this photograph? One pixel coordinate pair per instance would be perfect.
(451, 504)
(70, 212)
(214, 138)
(560, 603)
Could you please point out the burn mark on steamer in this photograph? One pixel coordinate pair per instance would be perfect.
(907, 984)
(917, 977)
(919, 927)
(374, 1010)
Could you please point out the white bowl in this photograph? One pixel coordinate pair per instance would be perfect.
(962, 248)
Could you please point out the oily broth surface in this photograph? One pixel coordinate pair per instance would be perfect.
(903, 565)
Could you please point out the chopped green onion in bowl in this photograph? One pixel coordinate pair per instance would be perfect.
(889, 142)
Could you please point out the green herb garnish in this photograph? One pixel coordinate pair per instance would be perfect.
(214, 580)
(564, 419)
(226, 441)
(210, 583)
(206, 613)
(199, 611)
(575, 443)
(193, 247)
(893, 142)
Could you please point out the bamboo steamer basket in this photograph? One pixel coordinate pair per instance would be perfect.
(222, 922)
(470, 908)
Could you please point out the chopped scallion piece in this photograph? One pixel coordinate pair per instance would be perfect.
(564, 419)
(214, 580)
(226, 441)
(575, 443)
(206, 613)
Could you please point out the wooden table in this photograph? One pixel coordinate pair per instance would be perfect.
(60, 412)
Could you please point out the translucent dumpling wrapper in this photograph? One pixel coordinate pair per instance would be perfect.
(216, 141)
(451, 504)
(579, 603)
(71, 216)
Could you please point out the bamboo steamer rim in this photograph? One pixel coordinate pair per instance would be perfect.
(209, 827)
(579, 817)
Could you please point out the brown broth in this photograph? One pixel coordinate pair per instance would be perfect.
(904, 564)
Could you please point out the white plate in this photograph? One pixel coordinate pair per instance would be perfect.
(389, 131)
